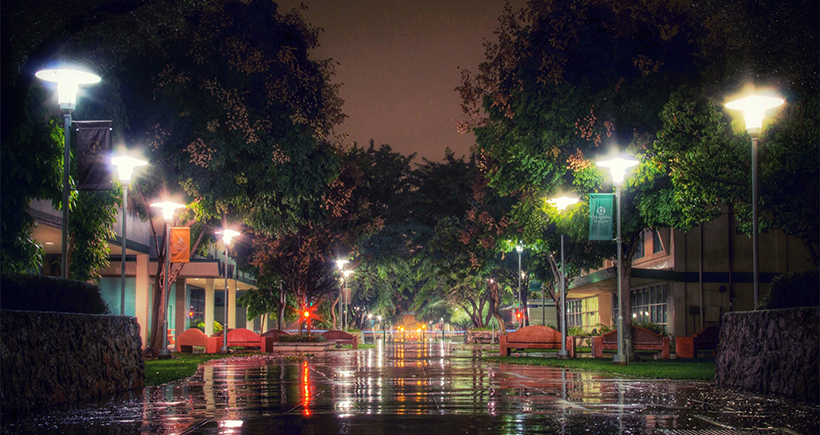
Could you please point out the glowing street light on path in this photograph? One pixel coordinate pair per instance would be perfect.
(168, 209)
(125, 168)
(754, 108)
(561, 204)
(618, 167)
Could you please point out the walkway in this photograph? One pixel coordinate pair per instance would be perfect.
(422, 389)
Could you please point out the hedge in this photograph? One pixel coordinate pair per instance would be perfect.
(45, 293)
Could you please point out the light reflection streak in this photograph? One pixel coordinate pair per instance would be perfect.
(306, 388)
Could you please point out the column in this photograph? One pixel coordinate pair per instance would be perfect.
(209, 306)
(181, 307)
(142, 301)
(231, 295)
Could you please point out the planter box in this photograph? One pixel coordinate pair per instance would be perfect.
(302, 347)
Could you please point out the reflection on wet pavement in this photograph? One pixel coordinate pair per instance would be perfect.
(420, 388)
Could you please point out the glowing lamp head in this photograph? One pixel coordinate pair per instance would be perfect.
(563, 202)
(754, 107)
(125, 166)
(228, 235)
(68, 83)
(617, 167)
(347, 273)
(168, 209)
(341, 264)
(519, 248)
(306, 314)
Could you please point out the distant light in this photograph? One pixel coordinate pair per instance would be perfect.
(754, 107)
(228, 235)
(125, 166)
(68, 83)
(168, 209)
(563, 202)
(617, 167)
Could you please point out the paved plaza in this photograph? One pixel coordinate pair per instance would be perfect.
(414, 388)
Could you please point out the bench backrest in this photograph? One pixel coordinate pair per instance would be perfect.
(639, 336)
(335, 334)
(708, 336)
(192, 337)
(242, 335)
(534, 334)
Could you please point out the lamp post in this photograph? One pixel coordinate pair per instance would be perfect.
(168, 209)
(754, 108)
(227, 236)
(561, 204)
(341, 264)
(68, 85)
(125, 167)
(520, 249)
(618, 166)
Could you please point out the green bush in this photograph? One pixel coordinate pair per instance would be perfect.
(46, 293)
(657, 329)
(576, 331)
(792, 290)
(302, 338)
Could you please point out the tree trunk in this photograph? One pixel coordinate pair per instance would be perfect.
(280, 321)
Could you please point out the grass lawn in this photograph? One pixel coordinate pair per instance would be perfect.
(698, 369)
(181, 366)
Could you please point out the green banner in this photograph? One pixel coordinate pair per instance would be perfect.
(601, 211)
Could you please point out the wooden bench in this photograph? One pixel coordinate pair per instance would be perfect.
(706, 339)
(341, 337)
(241, 337)
(642, 339)
(535, 337)
(186, 341)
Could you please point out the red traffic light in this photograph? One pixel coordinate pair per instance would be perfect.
(307, 314)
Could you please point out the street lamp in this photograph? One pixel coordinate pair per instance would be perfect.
(68, 85)
(561, 204)
(754, 108)
(125, 167)
(520, 249)
(618, 166)
(227, 235)
(168, 209)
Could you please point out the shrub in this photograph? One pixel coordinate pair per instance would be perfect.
(792, 290)
(302, 338)
(46, 293)
(576, 331)
(657, 329)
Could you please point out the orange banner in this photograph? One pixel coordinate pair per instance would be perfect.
(180, 245)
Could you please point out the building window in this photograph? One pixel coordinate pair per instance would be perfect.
(582, 313)
(196, 310)
(657, 243)
(640, 252)
(649, 305)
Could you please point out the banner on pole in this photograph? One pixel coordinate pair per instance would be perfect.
(347, 295)
(93, 153)
(180, 245)
(600, 216)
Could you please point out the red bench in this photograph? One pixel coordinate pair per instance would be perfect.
(341, 337)
(186, 341)
(535, 337)
(706, 339)
(241, 337)
(642, 339)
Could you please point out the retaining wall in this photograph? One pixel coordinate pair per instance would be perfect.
(771, 351)
(53, 358)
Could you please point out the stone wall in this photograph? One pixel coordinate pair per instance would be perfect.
(481, 337)
(771, 351)
(53, 358)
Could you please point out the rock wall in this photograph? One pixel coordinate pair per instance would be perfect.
(481, 337)
(53, 358)
(771, 351)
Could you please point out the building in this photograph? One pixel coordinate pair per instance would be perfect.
(198, 294)
(684, 281)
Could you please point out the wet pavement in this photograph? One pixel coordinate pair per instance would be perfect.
(414, 388)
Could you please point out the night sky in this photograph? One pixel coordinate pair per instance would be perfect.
(398, 66)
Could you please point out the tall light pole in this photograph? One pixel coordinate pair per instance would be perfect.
(227, 236)
(341, 264)
(618, 166)
(68, 85)
(168, 210)
(561, 204)
(754, 108)
(520, 249)
(125, 167)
